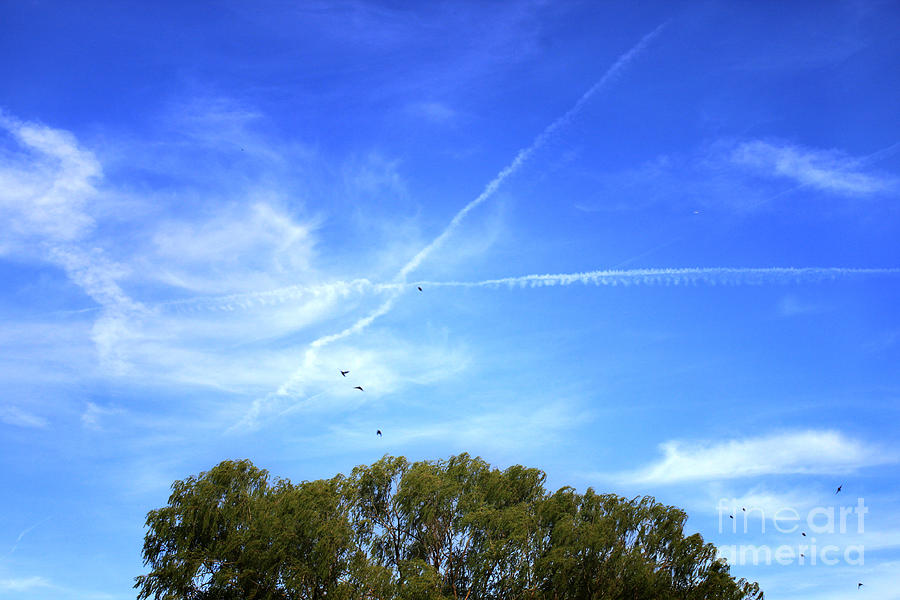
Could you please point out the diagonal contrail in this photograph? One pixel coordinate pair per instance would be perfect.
(491, 188)
(521, 157)
(525, 153)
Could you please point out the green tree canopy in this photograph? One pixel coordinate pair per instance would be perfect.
(443, 529)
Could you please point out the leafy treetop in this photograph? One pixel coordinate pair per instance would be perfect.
(430, 530)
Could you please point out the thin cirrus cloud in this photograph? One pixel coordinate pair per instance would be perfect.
(389, 363)
(12, 415)
(46, 189)
(796, 452)
(45, 186)
(740, 175)
(50, 188)
(23, 584)
(826, 170)
(436, 112)
(498, 430)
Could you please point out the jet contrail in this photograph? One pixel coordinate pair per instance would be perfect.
(359, 325)
(22, 535)
(525, 153)
(494, 184)
(713, 276)
(688, 276)
(605, 277)
(521, 157)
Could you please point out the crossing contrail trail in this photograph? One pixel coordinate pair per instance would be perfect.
(525, 153)
(521, 157)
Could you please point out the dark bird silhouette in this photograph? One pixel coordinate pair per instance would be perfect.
(858, 585)
(743, 509)
(802, 555)
(344, 373)
(730, 516)
(419, 287)
(839, 488)
(359, 387)
(378, 433)
(803, 533)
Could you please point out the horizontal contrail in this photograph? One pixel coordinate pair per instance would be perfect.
(687, 276)
(726, 276)
(712, 276)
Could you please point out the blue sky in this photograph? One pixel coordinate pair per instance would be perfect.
(657, 245)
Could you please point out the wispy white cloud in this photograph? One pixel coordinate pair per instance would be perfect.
(760, 500)
(49, 183)
(879, 579)
(798, 452)
(23, 584)
(246, 243)
(240, 248)
(45, 185)
(526, 425)
(94, 413)
(736, 176)
(433, 111)
(13, 415)
(388, 362)
(827, 170)
(98, 277)
(293, 294)
(792, 306)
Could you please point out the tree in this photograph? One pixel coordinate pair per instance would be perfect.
(429, 530)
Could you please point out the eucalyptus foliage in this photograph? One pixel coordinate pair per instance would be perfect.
(428, 530)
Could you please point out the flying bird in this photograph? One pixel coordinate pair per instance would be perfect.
(344, 373)
(730, 516)
(839, 488)
(743, 509)
(858, 585)
(803, 533)
(359, 387)
(378, 433)
(419, 287)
